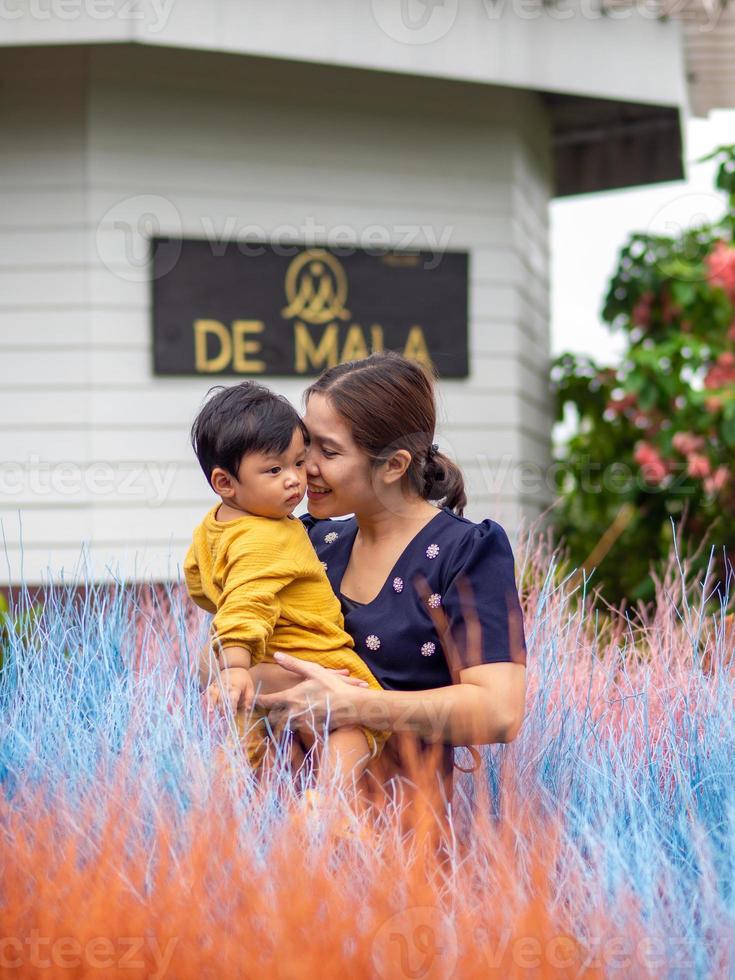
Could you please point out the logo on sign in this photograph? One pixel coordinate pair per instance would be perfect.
(316, 288)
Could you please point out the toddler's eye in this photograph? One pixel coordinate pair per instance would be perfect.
(275, 470)
(300, 462)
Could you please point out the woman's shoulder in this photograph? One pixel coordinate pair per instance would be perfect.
(462, 529)
(474, 541)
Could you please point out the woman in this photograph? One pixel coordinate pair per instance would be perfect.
(429, 597)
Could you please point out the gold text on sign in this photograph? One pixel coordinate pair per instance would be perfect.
(314, 353)
(219, 348)
(235, 346)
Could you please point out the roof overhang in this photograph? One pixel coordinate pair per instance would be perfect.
(600, 144)
(611, 125)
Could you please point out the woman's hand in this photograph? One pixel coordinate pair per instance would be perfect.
(324, 693)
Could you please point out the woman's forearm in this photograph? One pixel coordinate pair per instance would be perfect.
(462, 714)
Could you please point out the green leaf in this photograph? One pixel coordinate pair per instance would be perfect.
(684, 293)
(728, 431)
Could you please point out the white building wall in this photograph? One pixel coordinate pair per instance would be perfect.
(98, 446)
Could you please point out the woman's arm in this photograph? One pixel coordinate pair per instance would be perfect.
(271, 677)
(487, 705)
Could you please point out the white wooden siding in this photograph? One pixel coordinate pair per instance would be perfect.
(78, 399)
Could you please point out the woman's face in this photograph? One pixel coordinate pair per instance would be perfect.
(339, 474)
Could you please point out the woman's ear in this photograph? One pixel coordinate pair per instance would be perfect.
(397, 465)
(222, 482)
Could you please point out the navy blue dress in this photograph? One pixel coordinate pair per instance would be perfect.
(463, 565)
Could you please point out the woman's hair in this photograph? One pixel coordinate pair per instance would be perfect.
(388, 403)
(244, 418)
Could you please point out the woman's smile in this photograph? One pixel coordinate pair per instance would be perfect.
(314, 491)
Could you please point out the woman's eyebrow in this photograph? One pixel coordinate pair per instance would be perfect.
(328, 441)
(322, 440)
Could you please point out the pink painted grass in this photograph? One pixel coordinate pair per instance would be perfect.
(601, 842)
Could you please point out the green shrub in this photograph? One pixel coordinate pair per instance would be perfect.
(656, 435)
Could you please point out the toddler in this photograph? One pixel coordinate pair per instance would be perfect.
(252, 565)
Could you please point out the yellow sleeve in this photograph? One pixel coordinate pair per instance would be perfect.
(193, 579)
(253, 569)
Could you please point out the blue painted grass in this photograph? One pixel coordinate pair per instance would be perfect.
(628, 744)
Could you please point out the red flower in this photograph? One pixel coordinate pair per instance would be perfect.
(641, 314)
(669, 310)
(620, 405)
(698, 465)
(721, 268)
(653, 466)
(714, 483)
(722, 372)
(687, 443)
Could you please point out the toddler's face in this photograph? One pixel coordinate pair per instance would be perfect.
(271, 485)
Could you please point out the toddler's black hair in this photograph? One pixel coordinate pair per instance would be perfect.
(244, 418)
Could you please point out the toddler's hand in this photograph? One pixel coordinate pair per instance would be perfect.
(234, 687)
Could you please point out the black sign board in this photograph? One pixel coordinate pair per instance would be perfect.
(245, 308)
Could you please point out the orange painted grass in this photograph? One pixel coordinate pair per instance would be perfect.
(204, 895)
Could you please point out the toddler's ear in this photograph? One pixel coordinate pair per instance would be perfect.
(222, 482)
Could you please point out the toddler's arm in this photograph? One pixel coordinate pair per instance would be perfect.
(233, 656)
(234, 683)
(224, 657)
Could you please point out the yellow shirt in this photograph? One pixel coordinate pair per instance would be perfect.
(267, 589)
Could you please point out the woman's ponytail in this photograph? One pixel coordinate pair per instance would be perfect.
(443, 481)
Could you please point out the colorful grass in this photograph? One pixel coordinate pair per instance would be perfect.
(134, 842)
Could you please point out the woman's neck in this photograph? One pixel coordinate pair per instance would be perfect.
(385, 522)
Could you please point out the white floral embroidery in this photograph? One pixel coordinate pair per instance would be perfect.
(325, 566)
(372, 642)
(432, 551)
(434, 601)
(427, 649)
(397, 584)
(331, 537)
